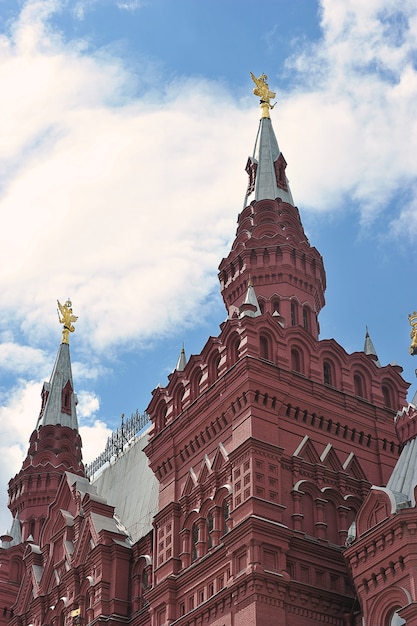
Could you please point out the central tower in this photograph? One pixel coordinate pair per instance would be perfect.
(266, 443)
(271, 249)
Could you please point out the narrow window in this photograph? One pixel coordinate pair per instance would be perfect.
(327, 373)
(226, 515)
(306, 325)
(209, 529)
(194, 533)
(357, 382)
(295, 361)
(264, 347)
(387, 396)
(293, 314)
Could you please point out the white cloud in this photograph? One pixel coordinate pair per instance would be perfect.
(109, 195)
(354, 111)
(94, 439)
(88, 405)
(22, 359)
(130, 5)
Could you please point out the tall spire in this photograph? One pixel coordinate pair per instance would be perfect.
(271, 248)
(58, 398)
(266, 167)
(54, 446)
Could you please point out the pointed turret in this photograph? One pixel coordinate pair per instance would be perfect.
(182, 361)
(250, 306)
(54, 446)
(369, 348)
(270, 246)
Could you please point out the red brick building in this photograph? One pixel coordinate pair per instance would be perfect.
(262, 450)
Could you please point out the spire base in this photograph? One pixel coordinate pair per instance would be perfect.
(265, 108)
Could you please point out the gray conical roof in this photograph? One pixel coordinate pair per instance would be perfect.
(268, 165)
(182, 361)
(250, 306)
(14, 537)
(60, 404)
(369, 348)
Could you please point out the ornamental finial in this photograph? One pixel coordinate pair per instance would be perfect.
(66, 318)
(262, 90)
(412, 318)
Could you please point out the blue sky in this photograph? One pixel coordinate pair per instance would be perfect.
(125, 129)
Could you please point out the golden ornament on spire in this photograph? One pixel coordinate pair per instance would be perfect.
(412, 318)
(66, 318)
(262, 90)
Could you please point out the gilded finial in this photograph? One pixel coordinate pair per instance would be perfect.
(67, 318)
(412, 318)
(262, 90)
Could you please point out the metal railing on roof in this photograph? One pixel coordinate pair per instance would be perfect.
(117, 441)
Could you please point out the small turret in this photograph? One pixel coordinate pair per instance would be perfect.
(369, 348)
(182, 361)
(250, 306)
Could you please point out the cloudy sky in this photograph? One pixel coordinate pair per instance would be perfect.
(124, 131)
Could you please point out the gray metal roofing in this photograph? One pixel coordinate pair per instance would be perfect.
(403, 479)
(61, 374)
(266, 153)
(129, 485)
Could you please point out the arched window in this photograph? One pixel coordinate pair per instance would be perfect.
(32, 528)
(195, 382)
(233, 348)
(327, 373)
(15, 575)
(161, 414)
(386, 392)
(359, 385)
(296, 364)
(179, 394)
(213, 367)
(265, 351)
(225, 516)
(275, 306)
(308, 510)
(331, 518)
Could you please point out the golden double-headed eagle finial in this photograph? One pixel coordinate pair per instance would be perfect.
(265, 94)
(412, 318)
(66, 318)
